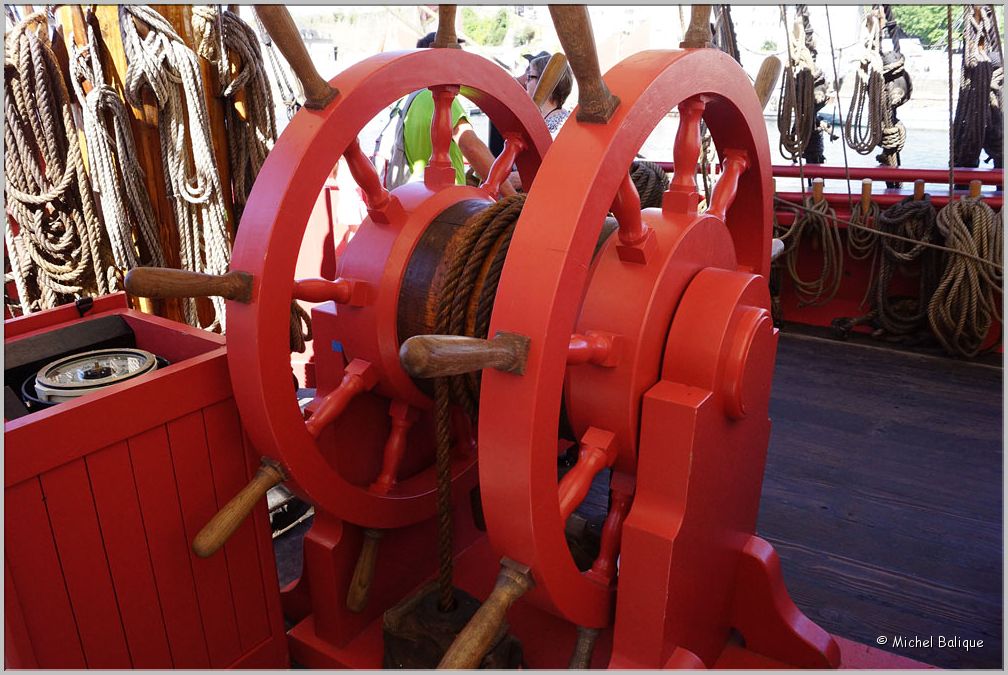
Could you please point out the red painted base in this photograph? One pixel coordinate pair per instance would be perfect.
(547, 641)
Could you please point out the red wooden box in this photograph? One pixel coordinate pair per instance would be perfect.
(102, 497)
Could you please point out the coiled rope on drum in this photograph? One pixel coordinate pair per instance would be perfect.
(161, 61)
(915, 221)
(818, 221)
(967, 299)
(58, 252)
(651, 182)
(979, 117)
(473, 267)
(114, 163)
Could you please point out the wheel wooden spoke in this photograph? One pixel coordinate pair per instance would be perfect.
(621, 490)
(341, 291)
(360, 377)
(168, 282)
(597, 451)
(735, 163)
(440, 172)
(376, 197)
(403, 418)
(501, 169)
(686, 152)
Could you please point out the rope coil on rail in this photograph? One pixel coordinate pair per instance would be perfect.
(816, 220)
(915, 220)
(162, 61)
(58, 251)
(967, 299)
(114, 165)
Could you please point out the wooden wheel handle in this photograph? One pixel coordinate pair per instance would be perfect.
(360, 584)
(444, 355)
(278, 23)
(549, 78)
(596, 103)
(445, 37)
(766, 79)
(475, 640)
(166, 282)
(215, 533)
(698, 35)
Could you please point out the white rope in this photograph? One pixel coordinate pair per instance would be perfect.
(57, 253)
(162, 61)
(115, 169)
(250, 138)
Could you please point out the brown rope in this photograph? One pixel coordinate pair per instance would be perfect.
(478, 251)
(916, 221)
(300, 327)
(817, 221)
(967, 299)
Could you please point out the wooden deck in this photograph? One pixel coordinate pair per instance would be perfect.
(882, 495)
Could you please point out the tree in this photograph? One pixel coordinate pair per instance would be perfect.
(929, 23)
(489, 31)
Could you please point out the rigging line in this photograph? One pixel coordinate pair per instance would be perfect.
(794, 88)
(890, 235)
(839, 109)
(951, 132)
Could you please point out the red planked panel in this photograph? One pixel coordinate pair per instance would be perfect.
(162, 518)
(67, 492)
(223, 432)
(35, 570)
(18, 651)
(193, 474)
(128, 556)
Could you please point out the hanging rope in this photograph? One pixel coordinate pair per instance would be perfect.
(913, 220)
(898, 88)
(802, 95)
(115, 169)
(55, 241)
(162, 61)
(651, 182)
(251, 133)
(979, 120)
(863, 126)
(723, 32)
(816, 221)
(967, 299)
(473, 271)
(863, 241)
(288, 92)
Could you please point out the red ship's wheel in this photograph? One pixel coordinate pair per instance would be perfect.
(632, 289)
(267, 246)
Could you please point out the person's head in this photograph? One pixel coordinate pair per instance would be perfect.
(535, 70)
(428, 40)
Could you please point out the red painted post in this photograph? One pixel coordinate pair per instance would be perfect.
(439, 171)
(621, 491)
(360, 376)
(724, 192)
(597, 451)
(501, 169)
(403, 418)
(376, 197)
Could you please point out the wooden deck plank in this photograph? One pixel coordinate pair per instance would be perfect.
(883, 495)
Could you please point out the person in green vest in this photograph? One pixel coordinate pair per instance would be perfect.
(465, 143)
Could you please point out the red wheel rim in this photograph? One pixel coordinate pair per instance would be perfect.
(268, 241)
(542, 285)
